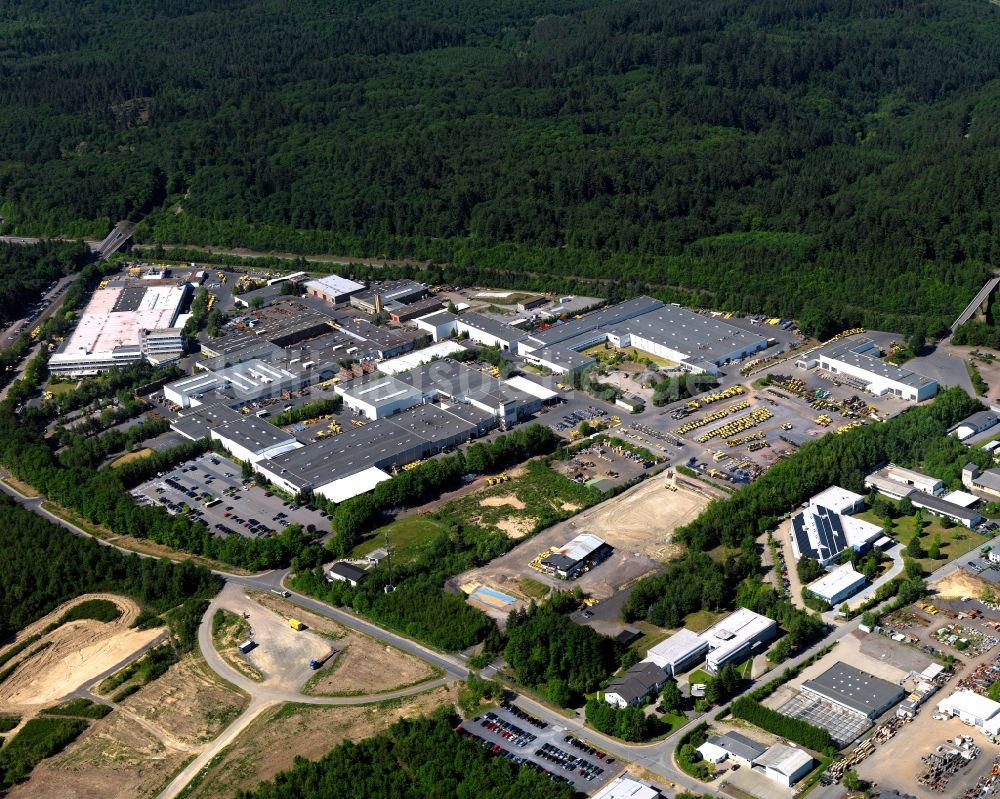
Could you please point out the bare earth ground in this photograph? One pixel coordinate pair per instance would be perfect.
(135, 750)
(959, 584)
(363, 666)
(79, 652)
(639, 524)
(309, 731)
(643, 519)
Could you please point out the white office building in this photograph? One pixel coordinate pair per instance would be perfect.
(736, 637)
(679, 652)
(251, 439)
(837, 585)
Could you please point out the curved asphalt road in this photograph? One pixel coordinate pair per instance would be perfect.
(656, 757)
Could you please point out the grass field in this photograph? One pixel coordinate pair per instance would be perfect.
(21, 488)
(955, 541)
(145, 452)
(675, 720)
(407, 536)
(699, 676)
(701, 620)
(60, 388)
(532, 588)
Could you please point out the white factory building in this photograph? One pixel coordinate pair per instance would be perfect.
(242, 382)
(333, 289)
(440, 324)
(484, 330)
(625, 787)
(251, 439)
(837, 585)
(858, 362)
(970, 707)
(379, 397)
(896, 482)
(736, 637)
(125, 322)
(679, 652)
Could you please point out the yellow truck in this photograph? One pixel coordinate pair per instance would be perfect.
(295, 624)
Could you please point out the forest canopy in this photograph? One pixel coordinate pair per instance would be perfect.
(831, 160)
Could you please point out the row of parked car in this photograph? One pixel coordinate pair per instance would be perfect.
(589, 771)
(507, 754)
(515, 710)
(507, 730)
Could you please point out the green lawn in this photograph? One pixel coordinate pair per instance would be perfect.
(407, 536)
(60, 388)
(701, 620)
(675, 720)
(699, 676)
(532, 588)
(955, 541)
(651, 636)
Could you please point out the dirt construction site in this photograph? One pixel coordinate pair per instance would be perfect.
(72, 655)
(302, 730)
(362, 665)
(639, 525)
(134, 751)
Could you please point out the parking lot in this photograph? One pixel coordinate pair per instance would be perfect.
(244, 509)
(510, 732)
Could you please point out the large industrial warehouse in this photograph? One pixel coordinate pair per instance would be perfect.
(354, 461)
(737, 636)
(698, 343)
(124, 322)
(857, 361)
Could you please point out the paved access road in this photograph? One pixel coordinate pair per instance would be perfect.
(656, 757)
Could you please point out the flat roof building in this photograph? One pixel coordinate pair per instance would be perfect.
(582, 552)
(854, 689)
(251, 439)
(735, 637)
(627, 788)
(941, 507)
(858, 360)
(697, 342)
(559, 359)
(379, 396)
(839, 584)
(407, 313)
(896, 482)
(442, 324)
(389, 295)
(333, 289)
(678, 652)
(124, 322)
(242, 382)
(198, 422)
(412, 360)
(356, 460)
(839, 500)
(484, 330)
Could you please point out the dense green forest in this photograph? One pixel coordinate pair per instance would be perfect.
(418, 759)
(831, 160)
(44, 565)
(28, 271)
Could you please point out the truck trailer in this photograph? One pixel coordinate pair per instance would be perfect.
(320, 662)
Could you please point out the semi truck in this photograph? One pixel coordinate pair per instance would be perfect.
(319, 662)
